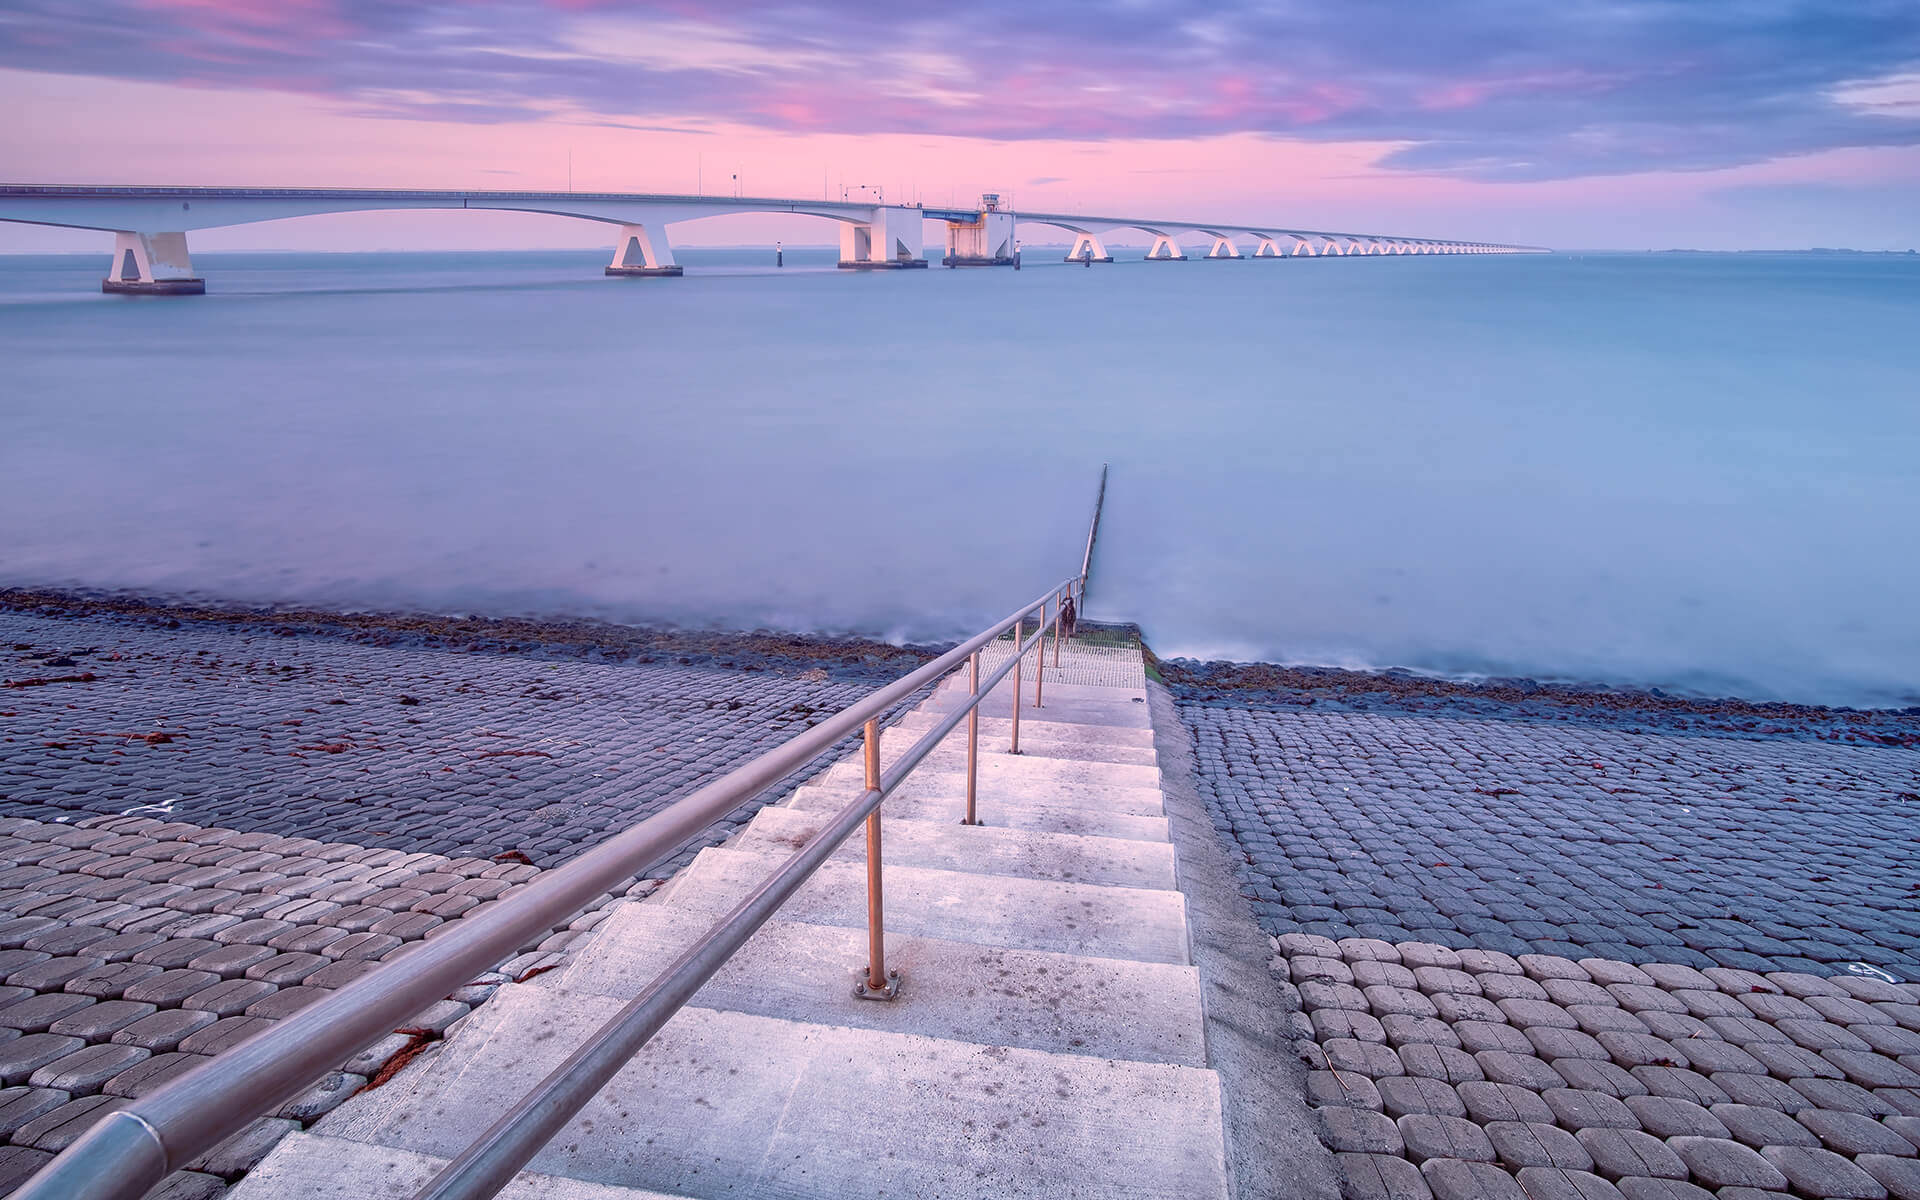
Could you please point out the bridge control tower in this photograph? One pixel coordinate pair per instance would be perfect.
(984, 241)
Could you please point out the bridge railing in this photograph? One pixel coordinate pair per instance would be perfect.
(133, 1148)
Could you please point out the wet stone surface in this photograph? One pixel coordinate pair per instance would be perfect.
(404, 747)
(1525, 837)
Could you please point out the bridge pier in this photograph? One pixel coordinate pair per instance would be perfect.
(1088, 248)
(1165, 249)
(1223, 247)
(152, 264)
(892, 239)
(641, 253)
(1268, 248)
(985, 241)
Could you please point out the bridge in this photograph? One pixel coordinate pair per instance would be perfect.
(150, 227)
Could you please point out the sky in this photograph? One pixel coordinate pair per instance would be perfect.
(1623, 124)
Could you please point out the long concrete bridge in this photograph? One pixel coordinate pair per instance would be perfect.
(150, 227)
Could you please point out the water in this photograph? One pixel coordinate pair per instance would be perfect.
(1686, 471)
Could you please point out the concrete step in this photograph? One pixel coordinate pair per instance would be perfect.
(725, 1104)
(991, 910)
(992, 995)
(983, 850)
(1121, 713)
(1063, 780)
(998, 809)
(998, 726)
(1037, 743)
(307, 1166)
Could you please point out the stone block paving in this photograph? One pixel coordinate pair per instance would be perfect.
(1543, 1076)
(1555, 961)
(421, 750)
(1764, 855)
(133, 949)
(205, 828)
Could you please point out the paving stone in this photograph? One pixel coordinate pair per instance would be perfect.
(1404, 1094)
(1871, 1070)
(99, 1022)
(284, 970)
(1852, 1133)
(87, 1068)
(175, 953)
(1591, 1076)
(1553, 1183)
(1427, 1135)
(1899, 1176)
(169, 988)
(1489, 1101)
(164, 1030)
(1710, 1057)
(1358, 1131)
(1821, 1173)
(1403, 1029)
(188, 1185)
(1479, 1036)
(1453, 1179)
(59, 1128)
(1446, 1063)
(223, 1034)
(22, 1056)
(1760, 1091)
(1520, 1144)
(1666, 1117)
(152, 1074)
(1681, 1084)
(1624, 1153)
(1576, 1110)
(19, 1105)
(1380, 1177)
(1522, 1070)
(1722, 1162)
(1324, 1089)
(110, 981)
(1368, 1059)
(1556, 1044)
(37, 1013)
(1836, 1094)
(1663, 1189)
(19, 1163)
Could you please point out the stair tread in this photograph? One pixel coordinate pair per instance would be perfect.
(984, 850)
(311, 1166)
(995, 808)
(998, 910)
(731, 1104)
(992, 995)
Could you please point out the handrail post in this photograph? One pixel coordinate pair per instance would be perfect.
(973, 740)
(1058, 604)
(876, 982)
(1018, 625)
(1040, 652)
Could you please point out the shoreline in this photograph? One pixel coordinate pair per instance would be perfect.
(850, 658)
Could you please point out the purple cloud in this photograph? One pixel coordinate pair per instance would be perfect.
(1487, 89)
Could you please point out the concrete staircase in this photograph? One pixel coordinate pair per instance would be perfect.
(1047, 1042)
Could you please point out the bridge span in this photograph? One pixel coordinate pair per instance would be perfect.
(151, 256)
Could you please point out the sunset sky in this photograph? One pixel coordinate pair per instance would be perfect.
(1575, 123)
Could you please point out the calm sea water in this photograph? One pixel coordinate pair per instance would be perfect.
(1692, 472)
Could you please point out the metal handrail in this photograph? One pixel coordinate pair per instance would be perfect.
(491, 1161)
(1093, 531)
(133, 1148)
